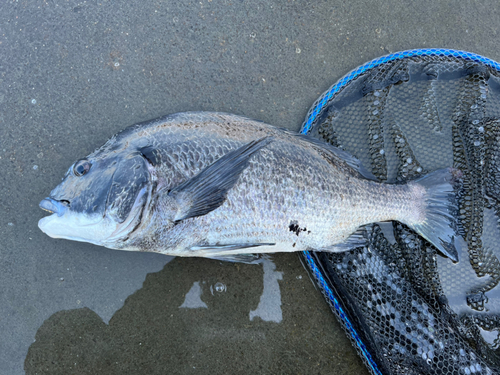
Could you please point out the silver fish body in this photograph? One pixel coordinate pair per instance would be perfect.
(218, 185)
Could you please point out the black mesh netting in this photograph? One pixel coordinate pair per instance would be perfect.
(407, 309)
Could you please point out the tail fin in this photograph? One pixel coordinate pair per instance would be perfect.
(440, 224)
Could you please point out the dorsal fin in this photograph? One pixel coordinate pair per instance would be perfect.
(339, 154)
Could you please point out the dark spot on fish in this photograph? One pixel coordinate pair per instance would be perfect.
(294, 227)
(294, 244)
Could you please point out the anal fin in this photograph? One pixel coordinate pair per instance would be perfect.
(355, 240)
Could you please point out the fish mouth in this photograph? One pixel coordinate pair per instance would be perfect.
(54, 206)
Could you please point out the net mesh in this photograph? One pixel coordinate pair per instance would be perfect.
(407, 309)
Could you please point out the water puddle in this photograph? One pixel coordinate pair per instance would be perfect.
(193, 298)
(269, 308)
(151, 333)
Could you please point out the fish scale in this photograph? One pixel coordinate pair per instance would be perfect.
(265, 223)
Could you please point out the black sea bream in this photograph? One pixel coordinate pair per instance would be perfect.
(220, 186)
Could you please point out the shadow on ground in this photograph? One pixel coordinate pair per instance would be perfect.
(151, 334)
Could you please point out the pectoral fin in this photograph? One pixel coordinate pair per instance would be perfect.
(238, 258)
(218, 252)
(208, 189)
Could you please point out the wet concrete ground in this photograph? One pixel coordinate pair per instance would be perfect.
(74, 73)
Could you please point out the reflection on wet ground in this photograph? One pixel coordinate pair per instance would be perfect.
(209, 322)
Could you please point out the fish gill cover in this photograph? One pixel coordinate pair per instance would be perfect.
(406, 309)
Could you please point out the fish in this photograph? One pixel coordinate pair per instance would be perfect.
(223, 186)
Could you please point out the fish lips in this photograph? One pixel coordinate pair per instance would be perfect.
(54, 206)
(57, 209)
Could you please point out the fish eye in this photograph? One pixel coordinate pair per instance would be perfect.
(81, 167)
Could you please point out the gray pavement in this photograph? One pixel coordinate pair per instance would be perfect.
(73, 73)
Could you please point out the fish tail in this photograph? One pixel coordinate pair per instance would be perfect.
(440, 224)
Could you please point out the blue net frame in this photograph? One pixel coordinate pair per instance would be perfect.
(312, 116)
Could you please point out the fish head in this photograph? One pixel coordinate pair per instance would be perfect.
(102, 197)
